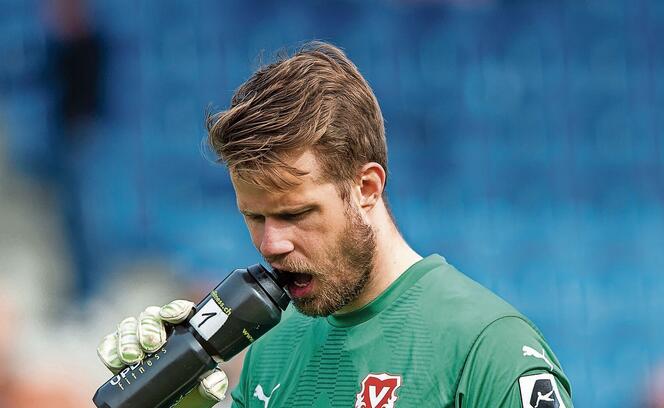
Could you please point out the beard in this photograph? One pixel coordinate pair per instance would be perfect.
(342, 273)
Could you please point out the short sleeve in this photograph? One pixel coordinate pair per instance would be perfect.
(510, 365)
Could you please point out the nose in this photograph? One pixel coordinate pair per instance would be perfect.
(275, 241)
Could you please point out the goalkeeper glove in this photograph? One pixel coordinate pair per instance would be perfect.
(136, 337)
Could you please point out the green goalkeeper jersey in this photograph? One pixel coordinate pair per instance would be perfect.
(434, 338)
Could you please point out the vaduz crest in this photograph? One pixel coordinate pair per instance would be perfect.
(378, 391)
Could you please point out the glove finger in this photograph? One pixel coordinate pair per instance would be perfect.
(108, 353)
(129, 349)
(176, 311)
(214, 385)
(151, 330)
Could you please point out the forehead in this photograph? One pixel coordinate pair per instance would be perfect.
(310, 186)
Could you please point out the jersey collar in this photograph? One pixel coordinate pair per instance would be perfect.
(389, 295)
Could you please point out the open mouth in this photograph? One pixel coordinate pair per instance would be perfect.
(299, 284)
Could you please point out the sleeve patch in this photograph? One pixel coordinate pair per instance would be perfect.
(540, 391)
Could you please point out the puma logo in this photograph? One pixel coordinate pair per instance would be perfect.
(531, 352)
(260, 394)
(545, 397)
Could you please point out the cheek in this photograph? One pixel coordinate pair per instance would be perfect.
(310, 243)
(323, 243)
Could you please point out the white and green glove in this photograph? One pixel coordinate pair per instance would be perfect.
(136, 337)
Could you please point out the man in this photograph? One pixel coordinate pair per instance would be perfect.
(376, 324)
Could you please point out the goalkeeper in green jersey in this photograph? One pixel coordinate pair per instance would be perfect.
(374, 324)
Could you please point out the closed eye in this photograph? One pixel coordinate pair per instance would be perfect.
(296, 215)
(254, 217)
(293, 216)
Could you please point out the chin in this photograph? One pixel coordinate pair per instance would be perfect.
(309, 307)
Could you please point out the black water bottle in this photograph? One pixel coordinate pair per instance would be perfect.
(242, 308)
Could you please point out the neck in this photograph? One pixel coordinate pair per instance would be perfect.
(392, 258)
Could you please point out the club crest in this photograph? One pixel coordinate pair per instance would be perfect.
(378, 391)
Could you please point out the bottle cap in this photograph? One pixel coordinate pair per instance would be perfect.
(269, 281)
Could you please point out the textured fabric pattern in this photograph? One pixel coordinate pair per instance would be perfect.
(433, 338)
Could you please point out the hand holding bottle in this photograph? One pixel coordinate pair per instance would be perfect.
(135, 338)
(153, 371)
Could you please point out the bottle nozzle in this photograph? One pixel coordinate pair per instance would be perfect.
(273, 283)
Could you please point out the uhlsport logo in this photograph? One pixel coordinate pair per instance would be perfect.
(378, 391)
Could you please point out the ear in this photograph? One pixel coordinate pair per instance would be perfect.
(371, 182)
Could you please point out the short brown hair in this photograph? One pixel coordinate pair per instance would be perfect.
(315, 99)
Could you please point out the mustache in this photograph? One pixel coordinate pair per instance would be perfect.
(292, 265)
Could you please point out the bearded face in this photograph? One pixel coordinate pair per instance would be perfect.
(337, 274)
(315, 233)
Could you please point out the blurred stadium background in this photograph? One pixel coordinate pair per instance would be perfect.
(526, 143)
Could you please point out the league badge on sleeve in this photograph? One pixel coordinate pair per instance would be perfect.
(540, 391)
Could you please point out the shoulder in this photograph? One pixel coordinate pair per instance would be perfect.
(495, 345)
(509, 361)
(456, 302)
(512, 342)
(461, 314)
